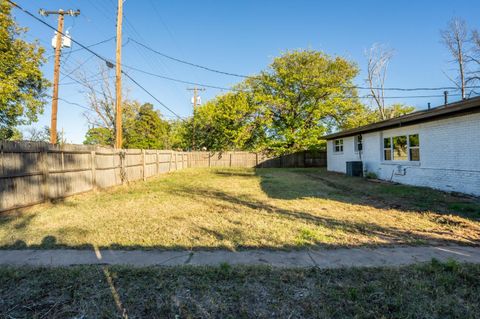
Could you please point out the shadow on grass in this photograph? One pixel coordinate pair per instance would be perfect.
(391, 234)
(318, 183)
(292, 184)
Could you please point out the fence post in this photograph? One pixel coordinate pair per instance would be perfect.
(209, 159)
(45, 173)
(93, 164)
(123, 157)
(158, 162)
(176, 162)
(170, 162)
(144, 165)
(230, 159)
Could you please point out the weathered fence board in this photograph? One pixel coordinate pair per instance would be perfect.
(31, 173)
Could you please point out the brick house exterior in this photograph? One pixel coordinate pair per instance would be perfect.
(437, 148)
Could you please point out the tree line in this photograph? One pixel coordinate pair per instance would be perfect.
(301, 96)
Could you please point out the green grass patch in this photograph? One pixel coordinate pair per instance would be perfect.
(468, 209)
(433, 290)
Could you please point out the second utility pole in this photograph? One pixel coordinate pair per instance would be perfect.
(194, 102)
(56, 69)
(118, 78)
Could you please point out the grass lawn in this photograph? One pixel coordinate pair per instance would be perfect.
(433, 290)
(247, 208)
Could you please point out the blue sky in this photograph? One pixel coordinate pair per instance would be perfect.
(243, 37)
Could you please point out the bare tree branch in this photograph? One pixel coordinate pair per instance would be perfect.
(100, 97)
(455, 38)
(378, 60)
(474, 57)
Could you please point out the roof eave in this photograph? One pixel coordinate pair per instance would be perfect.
(451, 110)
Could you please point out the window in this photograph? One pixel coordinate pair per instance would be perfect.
(400, 152)
(387, 149)
(401, 148)
(358, 143)
(414, 147)
(338, 146)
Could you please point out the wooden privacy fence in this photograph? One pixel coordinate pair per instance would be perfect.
(248, 159)
(32, 173)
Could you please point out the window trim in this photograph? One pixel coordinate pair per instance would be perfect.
(356, 143)
(340, 145)
(387, 148)
(413, 147)
(391, 149)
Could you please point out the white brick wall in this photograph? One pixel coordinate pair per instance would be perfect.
(336, 161)
(449, 155)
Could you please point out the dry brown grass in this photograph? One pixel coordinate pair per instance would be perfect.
(247, 208)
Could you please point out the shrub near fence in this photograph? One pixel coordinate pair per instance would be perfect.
(32, 173)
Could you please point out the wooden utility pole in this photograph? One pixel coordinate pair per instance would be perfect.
(56, 69)
(118, 78)
(194, 102)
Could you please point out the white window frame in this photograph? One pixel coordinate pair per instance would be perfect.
(340, 146)
(391, 148)
(356, 143)
(413, 147)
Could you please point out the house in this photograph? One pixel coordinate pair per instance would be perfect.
(437, 148)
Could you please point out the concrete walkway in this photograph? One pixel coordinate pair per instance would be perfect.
(332, 258)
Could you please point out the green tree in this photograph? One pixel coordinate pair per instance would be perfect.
(103, 120)
(396, 110)
(303, 95)
(99, 136)
(10, 134)
(149, 131)
(179, 134)
(22, 85)
(228, 122)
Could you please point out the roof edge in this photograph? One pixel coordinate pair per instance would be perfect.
(449, 110)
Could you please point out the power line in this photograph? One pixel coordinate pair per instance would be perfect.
(76, 104)
(95, 44)
(146, 91)
(82, 84)
(237, 90)
(90, 81)
(454, 88)
(88, 46)
(347, 87)
(188, 63)
(79, 66)
(412, 96)
(178, 80)
(155, 60)
(110, 63)
(55, 29)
